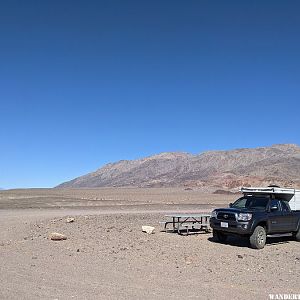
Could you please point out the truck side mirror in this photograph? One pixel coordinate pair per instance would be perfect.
(230, 204)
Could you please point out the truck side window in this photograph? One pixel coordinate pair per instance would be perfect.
(273, 203)
(285, 206)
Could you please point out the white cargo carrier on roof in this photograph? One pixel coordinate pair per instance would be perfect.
(291, 195)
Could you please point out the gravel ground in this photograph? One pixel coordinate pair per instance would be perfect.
(107, 256)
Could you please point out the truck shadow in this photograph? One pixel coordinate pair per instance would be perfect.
(237, 241)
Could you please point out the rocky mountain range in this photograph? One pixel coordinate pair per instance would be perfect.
(227, 170)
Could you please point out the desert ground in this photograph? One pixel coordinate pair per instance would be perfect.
(107, 256)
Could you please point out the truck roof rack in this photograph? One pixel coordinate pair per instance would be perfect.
(269, 190)
(287, 194)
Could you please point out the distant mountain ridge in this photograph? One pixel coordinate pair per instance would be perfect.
(229, 169)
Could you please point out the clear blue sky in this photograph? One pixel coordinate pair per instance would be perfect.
(83, 83)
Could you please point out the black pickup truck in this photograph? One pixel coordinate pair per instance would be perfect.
(255, 217)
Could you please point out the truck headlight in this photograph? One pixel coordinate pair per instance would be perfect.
(244, 217)
(214, 214)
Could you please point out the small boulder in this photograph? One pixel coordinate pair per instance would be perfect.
(70, 220)
(148, 229)
(55, 236)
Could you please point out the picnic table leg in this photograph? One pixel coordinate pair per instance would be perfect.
(173, 224)
(178, 225)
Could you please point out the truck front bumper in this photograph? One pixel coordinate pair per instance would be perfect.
(233, 227)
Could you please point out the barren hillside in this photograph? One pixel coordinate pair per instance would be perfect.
(279, 164)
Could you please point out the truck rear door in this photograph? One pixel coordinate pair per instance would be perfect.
(289, 218)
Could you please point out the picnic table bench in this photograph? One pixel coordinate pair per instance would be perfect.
(184, 223)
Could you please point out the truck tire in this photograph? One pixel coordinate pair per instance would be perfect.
(297, 235)
(219, 236)
(258, 238)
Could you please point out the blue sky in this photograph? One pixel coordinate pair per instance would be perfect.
(84, 83)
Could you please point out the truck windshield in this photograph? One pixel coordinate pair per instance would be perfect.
(257, 203)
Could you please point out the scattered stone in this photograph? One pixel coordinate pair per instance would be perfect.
(124, 248)
(240, 256)
(70, 220)
(78, 250)
(34, 257)
(148, 229)
(54, 236)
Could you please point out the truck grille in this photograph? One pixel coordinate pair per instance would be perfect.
(226, 216)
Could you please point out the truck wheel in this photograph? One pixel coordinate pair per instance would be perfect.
(297, 235)
(219, 236)
(258, 238)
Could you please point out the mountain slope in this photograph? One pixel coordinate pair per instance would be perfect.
(219, 169)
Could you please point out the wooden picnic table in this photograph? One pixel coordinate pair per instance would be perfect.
(185, 222)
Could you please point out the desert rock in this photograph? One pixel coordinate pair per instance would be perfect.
(70, 220)
(148, 229)
(55, 236)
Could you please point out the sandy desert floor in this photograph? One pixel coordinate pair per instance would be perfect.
(106, 255)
